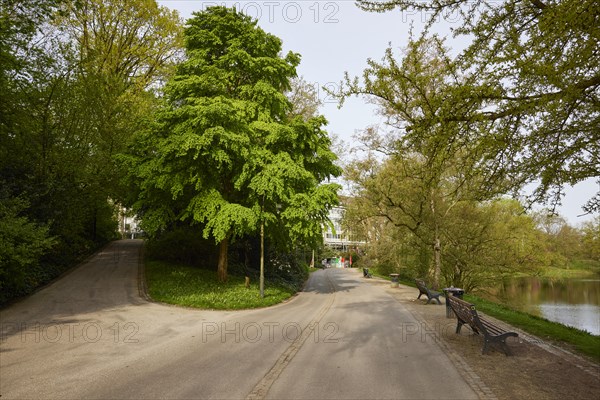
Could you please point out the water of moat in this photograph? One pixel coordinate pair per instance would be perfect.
(573, 302)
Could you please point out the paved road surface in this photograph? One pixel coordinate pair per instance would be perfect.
(90, 335)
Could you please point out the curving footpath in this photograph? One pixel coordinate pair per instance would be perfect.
(91, 335)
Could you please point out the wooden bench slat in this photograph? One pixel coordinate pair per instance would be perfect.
(491, 328)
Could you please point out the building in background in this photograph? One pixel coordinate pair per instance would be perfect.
(129, 225)
(340, 237)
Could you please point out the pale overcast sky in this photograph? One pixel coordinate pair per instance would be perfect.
(335, 36)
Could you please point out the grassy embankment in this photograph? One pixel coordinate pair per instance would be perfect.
(195, 287)
(576, 270)
(580, 341)
(576, 339)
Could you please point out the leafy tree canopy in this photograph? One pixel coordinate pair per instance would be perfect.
(75, 77)
(530, 80)
(223, 148)
(304, 98)
(126, 44)
(22, 243)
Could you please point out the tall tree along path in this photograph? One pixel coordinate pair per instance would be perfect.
(92, 335)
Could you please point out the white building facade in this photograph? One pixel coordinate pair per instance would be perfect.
(339, 237)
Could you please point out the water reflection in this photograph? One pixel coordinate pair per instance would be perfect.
(582, 316)
(573, 302)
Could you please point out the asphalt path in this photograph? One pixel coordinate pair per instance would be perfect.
(90, 335)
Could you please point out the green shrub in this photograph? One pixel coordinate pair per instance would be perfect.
(22, 244)
(184, 245)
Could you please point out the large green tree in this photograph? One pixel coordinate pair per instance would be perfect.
(24, 238)
(22, 242)
(224, 152)
(591, 239)
(467, 242)
(530, 81)
(104, 58)
(436, 160)
(117, 54)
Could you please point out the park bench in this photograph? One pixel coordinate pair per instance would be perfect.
(466, 314)
(366, 273)
(424, 290)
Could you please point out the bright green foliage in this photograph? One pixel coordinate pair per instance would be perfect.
(591, 240)
(432, 207)
(22, 244)
(479, 241)
(118, 51)
(485, 241)
(75, 77)
(529, 86)
(126, 45)
(222, 152)
(565, 246)
(433, 166)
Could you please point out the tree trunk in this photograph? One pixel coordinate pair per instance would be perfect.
(95, 224)
(222, 266)
(437, 247)
(262, 261)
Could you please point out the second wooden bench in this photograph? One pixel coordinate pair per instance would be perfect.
(423, 289)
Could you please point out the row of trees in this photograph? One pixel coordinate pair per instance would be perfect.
(519, 106)
(75, 76)
(109, 102)
(479, 242)
(105, 104)
(564, 245)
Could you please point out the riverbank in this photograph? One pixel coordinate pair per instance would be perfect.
(572, 301)
(562, 335)
(577, 271)
(537, 369)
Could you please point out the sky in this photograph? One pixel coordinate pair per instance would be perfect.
(334, 37)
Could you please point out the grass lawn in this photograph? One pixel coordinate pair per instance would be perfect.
(194, 287)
